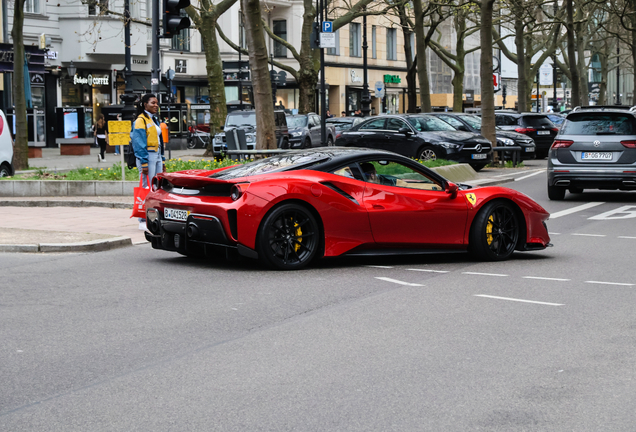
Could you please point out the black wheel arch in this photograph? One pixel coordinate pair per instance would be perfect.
(523, 228)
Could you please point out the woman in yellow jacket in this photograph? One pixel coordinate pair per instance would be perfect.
(147, 142)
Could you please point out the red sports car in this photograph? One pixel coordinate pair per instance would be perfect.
(288, 209)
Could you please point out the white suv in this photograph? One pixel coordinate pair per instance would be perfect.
(6, 148)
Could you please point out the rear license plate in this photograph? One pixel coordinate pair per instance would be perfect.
(529, 149)
(543, 132)
(175, 214)
(479, 156)
(596, 155)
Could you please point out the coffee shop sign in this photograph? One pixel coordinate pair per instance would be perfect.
(91, 80)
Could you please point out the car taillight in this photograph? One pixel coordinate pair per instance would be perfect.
(561, 144)
(629, 144)
(525, 130)
(238, 190)
(555, 129)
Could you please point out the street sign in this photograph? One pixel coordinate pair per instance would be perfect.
(118, 139)
(379, 89)
(327, 26)
(327, 40)
(496, 81)
(545, 74)
(117, 127)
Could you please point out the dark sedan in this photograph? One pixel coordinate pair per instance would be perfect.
(344, 123)
(472, 123)
(419, 136)
(536, 126)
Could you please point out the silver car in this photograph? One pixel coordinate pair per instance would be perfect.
(595, 149)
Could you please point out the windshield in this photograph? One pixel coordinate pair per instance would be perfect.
(599, 124)
(271, 164)
(473, 121)
(429, 123)
(241, 119)
(296, 121)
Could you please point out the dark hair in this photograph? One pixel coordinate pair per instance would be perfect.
(100, 117)
(144, 100)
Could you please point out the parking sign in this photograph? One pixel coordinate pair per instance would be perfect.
(327, 26)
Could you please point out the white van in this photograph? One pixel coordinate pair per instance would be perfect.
(6, 147)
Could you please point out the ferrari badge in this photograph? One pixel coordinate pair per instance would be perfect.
(472, 199)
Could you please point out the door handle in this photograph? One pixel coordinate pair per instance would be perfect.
(378, 207)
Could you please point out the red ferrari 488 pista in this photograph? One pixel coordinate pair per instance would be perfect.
(289, 209)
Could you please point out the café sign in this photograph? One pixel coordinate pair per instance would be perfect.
(91, 80)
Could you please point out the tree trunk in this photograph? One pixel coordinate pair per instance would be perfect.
(582, 68)
(408, 49)
(458, 91)
(487, 88)
(422, 63)
(21, 146)
(411, 82)
(576, 96)
(263, 102)
(633, 47)
(308, 62)
(522, 83)
(216, 85)
(602, 97)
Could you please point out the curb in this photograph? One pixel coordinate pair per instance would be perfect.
(55, 203)
(489, 182)
(89, 246)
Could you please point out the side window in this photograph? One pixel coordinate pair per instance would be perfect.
(350, 171)
(310, 121)
(390, 173)
(373, 125)
(316, 119)
(394, 124)
(500, 120)
(452, 121)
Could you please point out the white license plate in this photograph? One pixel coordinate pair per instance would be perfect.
(529, 149)
(596, 155)
(479, 156)
(175, 214)
(543, 132)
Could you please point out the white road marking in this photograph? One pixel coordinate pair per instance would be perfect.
(626, 237)
(610, 283)
(431, 271)
(398, 281)
(518, 300)
(545, 278)
(551, 233)
(575, 209)
(529, 175)
(589, 235)
(485, 274)
(378, 266)
(625, 212)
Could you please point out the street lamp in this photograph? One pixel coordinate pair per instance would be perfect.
(365, 100)
(71, 69)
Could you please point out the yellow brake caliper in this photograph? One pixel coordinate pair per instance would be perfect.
(299, 232)
(489, 230)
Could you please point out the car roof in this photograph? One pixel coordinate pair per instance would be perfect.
(623, 109)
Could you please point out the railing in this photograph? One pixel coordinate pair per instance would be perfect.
(516, 152)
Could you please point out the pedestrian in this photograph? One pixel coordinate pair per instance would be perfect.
(101, 135)
(343, 114)
(358, 113)
(148, 143)
(329, 115)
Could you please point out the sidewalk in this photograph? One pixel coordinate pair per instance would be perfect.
(80, 224)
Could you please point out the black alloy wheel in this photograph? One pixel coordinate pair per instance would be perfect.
(428, 154)
(289, 237)
(495, 232)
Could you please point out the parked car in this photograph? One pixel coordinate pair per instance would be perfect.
(595, 149)
(344, 124)
(536, 126)
(6, 148)
(420, 136)
(472, 123)
(287, 210)
(556, 118)
(305, 132)
(246, 120)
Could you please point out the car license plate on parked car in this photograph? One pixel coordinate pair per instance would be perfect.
(175, 214)
(529, 149)
(543, 132)
(596, 155)
(479, 156)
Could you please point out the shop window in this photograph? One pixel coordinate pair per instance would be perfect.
(181, 41)
(336, 50)
(374, 52)
(354, 40)
(32, 6)
(181, 66)
(391, 44)
(280, 30)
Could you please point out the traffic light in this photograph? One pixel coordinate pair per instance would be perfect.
(173, 21)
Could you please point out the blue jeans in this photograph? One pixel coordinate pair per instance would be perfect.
(155, 165)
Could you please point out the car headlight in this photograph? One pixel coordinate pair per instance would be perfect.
(296, 134)
(506, 141)
(250, 138)
(449, 145)
(218, 139)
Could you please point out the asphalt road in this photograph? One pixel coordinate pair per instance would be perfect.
(144, 340)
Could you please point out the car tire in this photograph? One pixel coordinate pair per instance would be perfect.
(284, 144)
(478, 167)
(306, 143)
(428, 153)
(5, 170)
(329, 142)
(288, 238)
(575, 190)
(495, 232)
(556, 193)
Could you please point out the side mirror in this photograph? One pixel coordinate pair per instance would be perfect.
(451, 189)
(462, 128)
(405, 131)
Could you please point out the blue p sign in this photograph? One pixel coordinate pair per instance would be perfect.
(327, 26)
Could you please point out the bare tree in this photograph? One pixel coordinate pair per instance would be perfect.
(487, 88)
(21, 146)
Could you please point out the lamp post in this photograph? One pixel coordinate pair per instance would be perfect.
(71, 69)
(618, 73)
(128, 98)
(365, 100)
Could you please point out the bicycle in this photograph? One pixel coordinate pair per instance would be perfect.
(198, 139)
